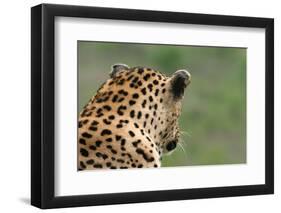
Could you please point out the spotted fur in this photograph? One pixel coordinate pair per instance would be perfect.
(132, 120)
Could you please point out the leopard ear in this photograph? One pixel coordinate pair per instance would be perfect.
(179, 81)
(117, 68)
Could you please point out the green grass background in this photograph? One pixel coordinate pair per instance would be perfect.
(213, 116)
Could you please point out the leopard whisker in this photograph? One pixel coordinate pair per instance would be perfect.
(185, 133)
(180, 143)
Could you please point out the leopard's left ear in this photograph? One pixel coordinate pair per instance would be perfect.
(117, 68)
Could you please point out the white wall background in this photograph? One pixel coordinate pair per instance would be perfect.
(15, 106)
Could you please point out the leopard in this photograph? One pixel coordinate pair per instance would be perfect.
(132, 120)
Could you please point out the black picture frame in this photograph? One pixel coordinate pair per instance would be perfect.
(43, 102)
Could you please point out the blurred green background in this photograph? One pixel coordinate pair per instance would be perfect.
(213, 118)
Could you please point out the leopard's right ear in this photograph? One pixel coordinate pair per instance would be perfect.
(117, 68)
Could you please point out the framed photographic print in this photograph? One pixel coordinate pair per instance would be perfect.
(140, 106)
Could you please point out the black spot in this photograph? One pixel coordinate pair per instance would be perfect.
(132, 134)
(94, 123)
(123, 141)
(106, 121)
(90, 161)
(135, 95)
(165, 135)
(97, 166)
(118, 137)
(135, 144)
(101, 155)
(82, 141)
(131, 102)
(80, 124)
(121, 81)
(109, 139)
(163, 90)
(98, 143)
(144, 155)
(119, 126)
(120, 160)
(108, 108)
(113, 167)
(146, 77)
(156, 92)
(85, 121)
(143, 91)
(114, 99)
(99, 115)
(121, 99)
(146, 115)
(93, 128)
(106, 132)
(99, 100)
(86, 135)
(132, 114)
(139, 83)
(140, 71)
(163, 84)
(108, 164)
(123, 92)
(132, 85)
(159, 77)
(135, 79)
(120, 110)
(84, 152)
(136, 125)
(139, 114)
(130, 77)
(150, 86)
(124, 121)
(111, 117)
(143, 103)
(99, 111)
(155, 82)
(92, 147)
(83, 166)
(113, 151)
(155, 106)
(150, 98)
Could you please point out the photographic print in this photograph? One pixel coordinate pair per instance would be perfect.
(158, 105)
(168, 105)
